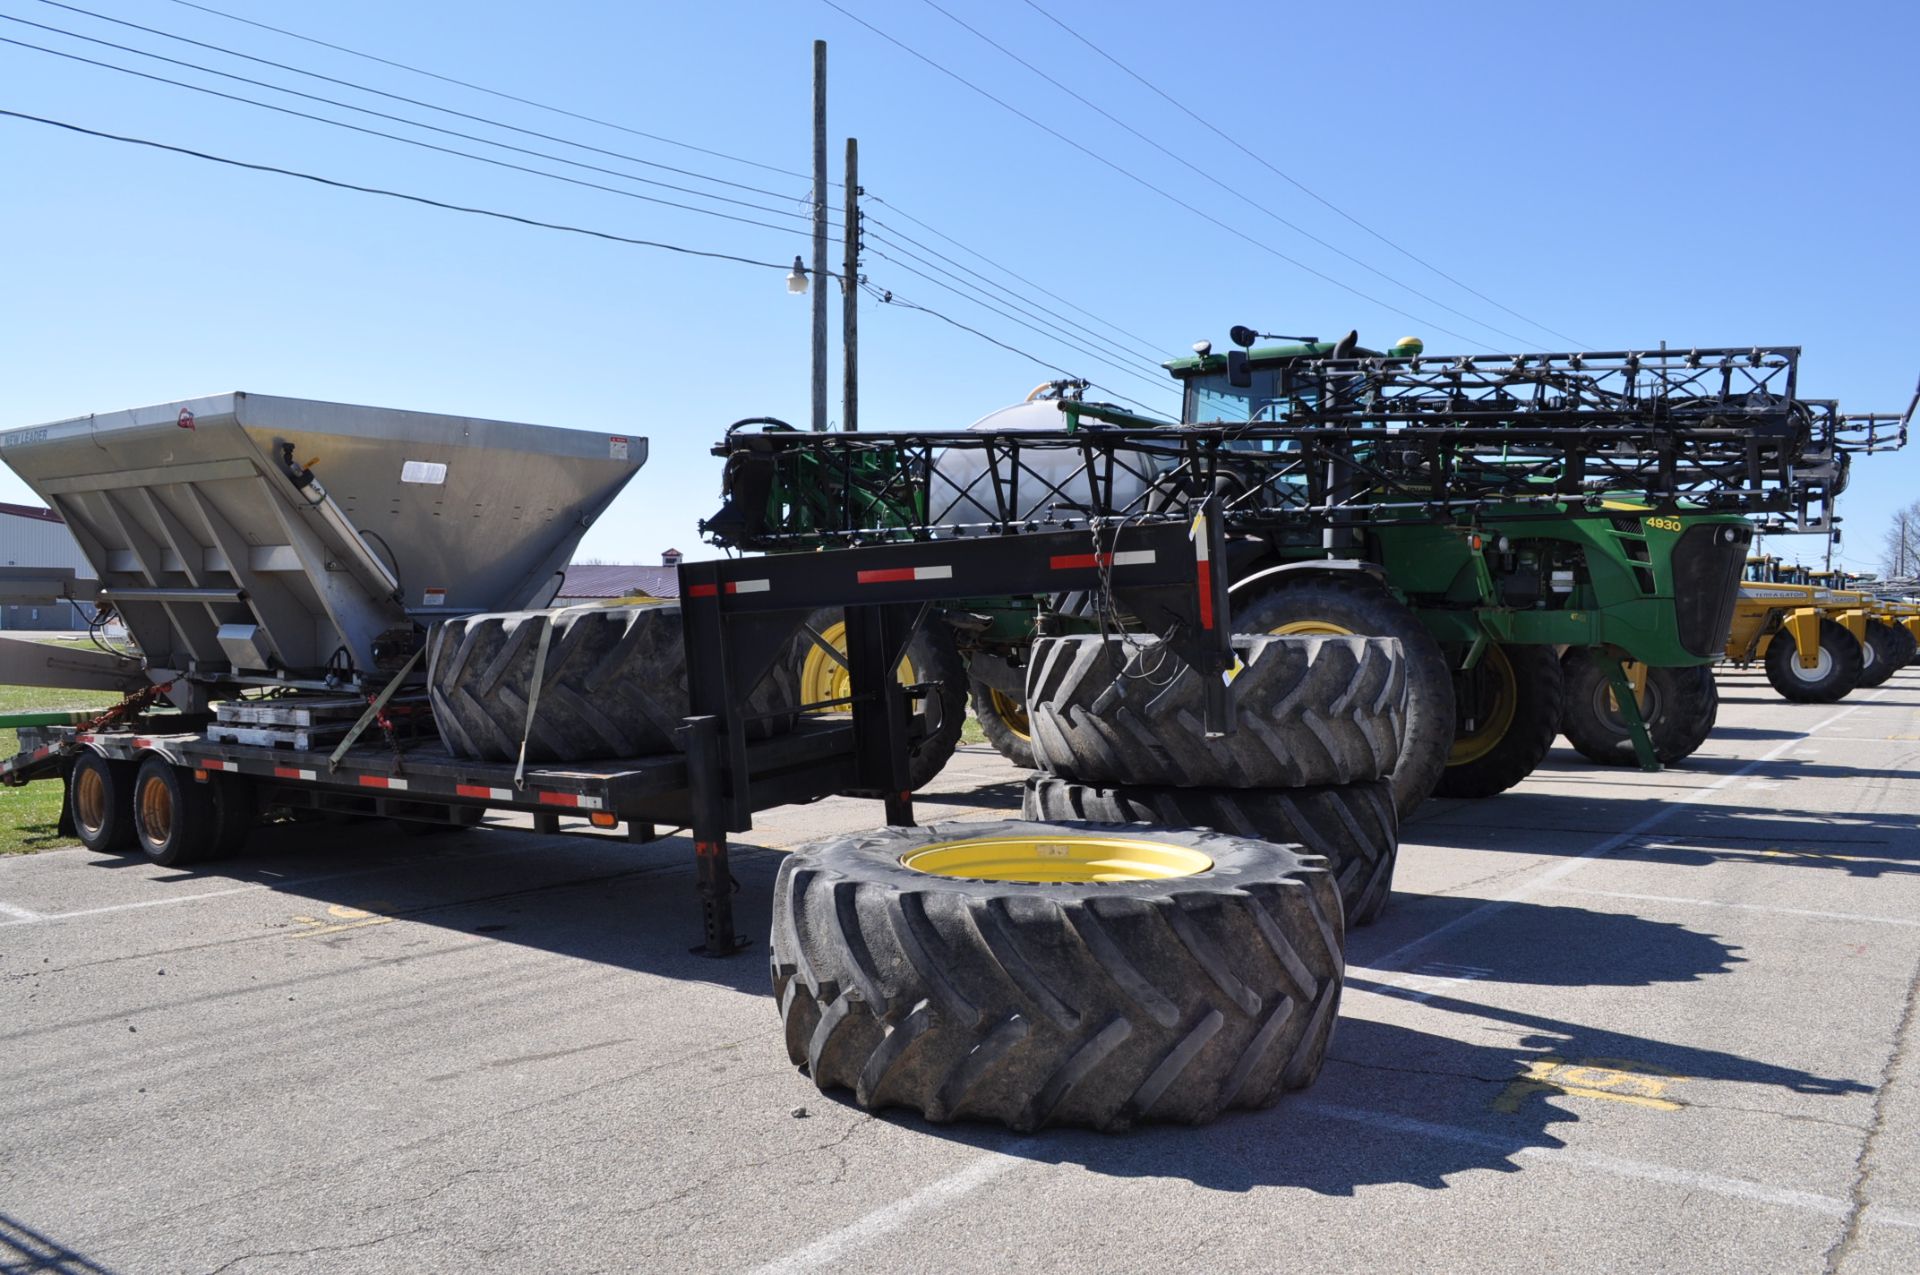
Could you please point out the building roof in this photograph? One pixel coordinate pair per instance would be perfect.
(30, 511)
(601, 580)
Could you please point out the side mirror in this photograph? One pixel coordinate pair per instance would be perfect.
(1239, 374)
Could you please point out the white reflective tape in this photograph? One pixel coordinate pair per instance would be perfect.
(933, 573)
(752, 586)
(397, 783)
(1133, 558)
(589, 803)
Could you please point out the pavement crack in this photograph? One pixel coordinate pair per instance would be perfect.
(1864, 1168)
(318, 1248)
(1421, 1071)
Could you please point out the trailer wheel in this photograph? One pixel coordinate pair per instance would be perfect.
(1835, 672)
(1880, 655)
(1036, 974)
(1679, 705)
(1003, 720)
(1515, 693)
(615, 684)
(1340, 604)
(100, 802)
(1126, 710)
(1353, 826)
(172, 817)
(932, 656)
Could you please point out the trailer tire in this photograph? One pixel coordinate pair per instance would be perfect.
(1523, 720)
(1353, 826)
(235, 811)
(932, 656)
(1312, 710)
(1880, 655)
(1352, 604)
(1003, 720)
(615, 684)
(173, 815)
(1836, 673)
(1681, 707)
(1059, 1000)
(100, 803)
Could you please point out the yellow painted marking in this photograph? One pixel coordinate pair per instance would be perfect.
(1612, 1079)
(351, 925)
(344, 918)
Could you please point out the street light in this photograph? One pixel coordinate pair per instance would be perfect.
(797, 279)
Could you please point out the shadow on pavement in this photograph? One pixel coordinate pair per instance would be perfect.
(38, 1252)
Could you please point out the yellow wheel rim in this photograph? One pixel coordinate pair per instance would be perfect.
(823, 673)
(156, 812)
(1057, 860)
(1482, 739)
(1011, 712)
(1311, 628)
(90, 800)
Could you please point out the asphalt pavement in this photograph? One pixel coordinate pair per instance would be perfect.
(1610, 1021)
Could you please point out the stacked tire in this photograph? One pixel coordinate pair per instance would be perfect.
(1108, 960)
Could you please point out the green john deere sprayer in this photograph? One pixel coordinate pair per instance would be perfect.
(1556, 539)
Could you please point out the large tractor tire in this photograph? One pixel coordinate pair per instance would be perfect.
(1036, 974)
(932, 656)
(1909, 648)
(1358, 605)
(1679, 706)
(1003, 720)
(100, 803)
(1514, 694)
(1881, 655)
(1126, 710)
(1353, 826)
(615, 684)
(1835, 672)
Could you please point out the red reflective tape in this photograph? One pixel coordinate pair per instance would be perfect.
(381, 781)
(706, 849)
(473, 790)
(1206, 593)
(887, 575)
(703, 590)
(558, 799)
(1074, 561)
(286, 772)
(142, 743)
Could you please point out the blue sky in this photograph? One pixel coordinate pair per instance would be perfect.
(1702, 173)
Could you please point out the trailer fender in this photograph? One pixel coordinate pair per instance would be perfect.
(1260, 581)
(1803, 625)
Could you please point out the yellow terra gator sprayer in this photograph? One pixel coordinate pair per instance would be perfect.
(1816, 643)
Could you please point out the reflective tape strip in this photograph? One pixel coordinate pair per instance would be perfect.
(897, 575)
(570, 799)
(483, 793)
(731, 586)
(142, 743)
(220, 765)
(292, 772)
(1086, 561)
(381, 781)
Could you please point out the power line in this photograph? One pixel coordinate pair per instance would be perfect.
(395, 194)
(1141, 181)
(1152, 356)
(1014, 300)
(481, 88)
(411, 141)
(396, 97)
(1211, 127)
(978, 255)
(888, 297)
(1242, 196)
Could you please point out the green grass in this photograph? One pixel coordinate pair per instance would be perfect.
(30, 816)
(970, 732)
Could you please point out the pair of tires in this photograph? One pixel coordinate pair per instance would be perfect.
(1679, 706)
(614, 684)
(161, 809)
(1105, 971)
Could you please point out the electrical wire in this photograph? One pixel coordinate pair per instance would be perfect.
(1134, 177)
(1051, 335)
(410, 141)
(1211, 127)
(1240, 195)
(481, 88)
(1086, 334)
(397, 194)
(887, 296)
(363, 88)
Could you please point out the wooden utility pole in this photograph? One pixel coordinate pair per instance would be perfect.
(850, 293)
(819, 235)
